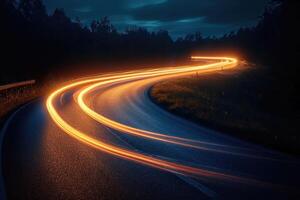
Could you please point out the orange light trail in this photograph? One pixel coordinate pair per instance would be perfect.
(139, 132)
(223, 63)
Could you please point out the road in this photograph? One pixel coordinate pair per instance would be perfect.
(102, 138)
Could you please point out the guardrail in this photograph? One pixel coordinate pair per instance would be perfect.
(18, 84)
(2, 129)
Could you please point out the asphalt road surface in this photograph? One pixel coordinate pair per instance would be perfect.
(110, 141)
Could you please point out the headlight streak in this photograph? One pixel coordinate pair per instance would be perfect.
(148, 134)
(131, 155)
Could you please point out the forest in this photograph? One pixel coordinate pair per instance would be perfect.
(34, 43)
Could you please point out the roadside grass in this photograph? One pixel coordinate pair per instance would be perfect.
(14, 97)
(235, 102)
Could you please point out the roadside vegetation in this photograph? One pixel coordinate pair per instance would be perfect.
(238, 102)
(13, 97)
(18, 93)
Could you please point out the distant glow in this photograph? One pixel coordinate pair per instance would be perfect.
(221, 63)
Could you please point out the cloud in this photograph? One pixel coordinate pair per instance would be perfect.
(97, 7)
(179, 17)
(213, 11)
(139, 3)
(85, 9)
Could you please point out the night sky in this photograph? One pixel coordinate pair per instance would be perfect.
(179, 17)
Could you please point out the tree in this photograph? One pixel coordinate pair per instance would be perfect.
(103, 26)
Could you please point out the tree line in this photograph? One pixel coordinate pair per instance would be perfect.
(33, 42)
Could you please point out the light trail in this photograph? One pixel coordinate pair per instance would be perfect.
(143, 133)
(127, 129)
(200, 145)
(223, 63)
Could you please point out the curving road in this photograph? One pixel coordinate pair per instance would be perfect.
(103, 138)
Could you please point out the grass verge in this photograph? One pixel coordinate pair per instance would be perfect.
(239, 102)
(14, 97)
